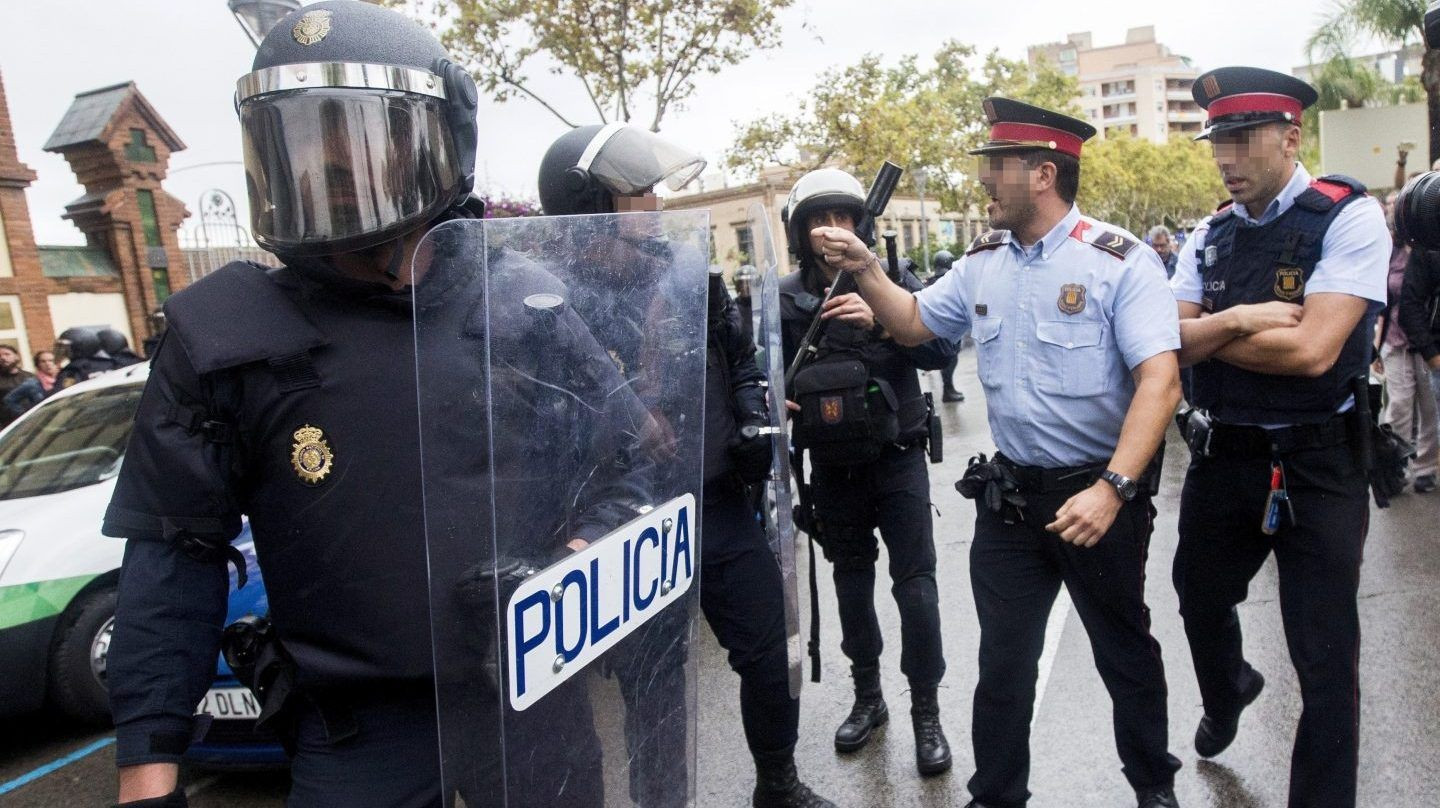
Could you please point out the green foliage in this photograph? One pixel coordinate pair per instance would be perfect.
(1136, 184)
(634, 58)
(861, 115)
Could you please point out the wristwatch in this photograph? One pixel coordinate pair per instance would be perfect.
(1124, 486)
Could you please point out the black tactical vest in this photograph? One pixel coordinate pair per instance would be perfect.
(1242, 263)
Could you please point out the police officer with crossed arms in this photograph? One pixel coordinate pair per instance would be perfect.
(1278, 293)
(1077, 358)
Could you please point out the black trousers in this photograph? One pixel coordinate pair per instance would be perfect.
(743, 600)
(893, 494)
(383, 753)
(1015, 574)
(947, 373)
(1221, 549)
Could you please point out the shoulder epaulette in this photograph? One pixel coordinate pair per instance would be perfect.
(1225, 206)
(988, 241)
(1114, 243)
(1329, 191)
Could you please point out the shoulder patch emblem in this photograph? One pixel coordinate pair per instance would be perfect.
(1289, 283)
(312, 27)
(988, 241)
(1114, 243)
(1072, 298)
(310, 455)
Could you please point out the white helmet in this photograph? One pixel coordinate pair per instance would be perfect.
(822, 189)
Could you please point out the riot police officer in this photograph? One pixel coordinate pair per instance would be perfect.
(1081, 380)
(942, 261)
(287, 396)
(1277, 292)
(117, 347)
(866, 475)
(605, 169)
(87, 357)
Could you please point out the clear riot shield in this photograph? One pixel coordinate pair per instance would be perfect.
(561, 369)
(777, 507)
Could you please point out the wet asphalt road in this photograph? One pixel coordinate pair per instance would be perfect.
(1074, 760)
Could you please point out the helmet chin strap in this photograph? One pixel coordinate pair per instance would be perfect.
(397, 254)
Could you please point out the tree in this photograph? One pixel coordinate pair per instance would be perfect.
(1396, 21)
(635, 59)
(861, 115)
(1136, 184)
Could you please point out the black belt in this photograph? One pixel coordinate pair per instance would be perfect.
(1040, 480)
(1229, 440)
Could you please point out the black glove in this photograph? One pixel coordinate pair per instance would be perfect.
(175, 799)
(993, 484)
(752, 456)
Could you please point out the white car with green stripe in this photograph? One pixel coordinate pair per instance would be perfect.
(58, 464)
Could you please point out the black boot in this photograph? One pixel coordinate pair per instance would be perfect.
(868, 713)
(778, 786)
(932, 751)
(1215, 733)
(952, 395)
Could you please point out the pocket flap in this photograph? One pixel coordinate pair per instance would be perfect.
(986, 328)
(822, 376)
(1070, 334)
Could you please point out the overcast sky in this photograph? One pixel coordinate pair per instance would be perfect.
(186, 54)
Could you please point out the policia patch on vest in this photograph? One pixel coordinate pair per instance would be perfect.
(1072, 298)
(1289, 283)
(311, 456)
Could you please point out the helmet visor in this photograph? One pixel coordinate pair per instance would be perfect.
(632, 160)
(337, 170)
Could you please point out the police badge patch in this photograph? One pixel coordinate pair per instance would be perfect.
(832, 409)
(1289, 283)
(1211, 256)
(310, 455)
(312, 27)
(1072, 298)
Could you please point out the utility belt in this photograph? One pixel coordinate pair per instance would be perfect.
(1213, 439)
(1001, 484)
(261, 663)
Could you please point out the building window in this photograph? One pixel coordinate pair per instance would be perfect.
(148, 222)
(745, 244)
(160, 278)
(6, 270)
(12, 328)
(138, 150)
(712, 243)
(907, 242)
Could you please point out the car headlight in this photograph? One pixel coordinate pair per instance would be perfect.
(9, 543)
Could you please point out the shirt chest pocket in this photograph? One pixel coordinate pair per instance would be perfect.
(986, 331)
(1074, 361)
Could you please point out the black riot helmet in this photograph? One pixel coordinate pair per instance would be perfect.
(357, 128)
(585, 166)
(78, 343)
(112, 341)
(942, 261)
(822, 189)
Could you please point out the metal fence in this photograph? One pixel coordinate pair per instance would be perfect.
(217, 238)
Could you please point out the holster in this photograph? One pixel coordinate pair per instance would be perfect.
(936, 442)
(258, 659)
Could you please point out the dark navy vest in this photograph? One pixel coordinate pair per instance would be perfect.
(1244, 263)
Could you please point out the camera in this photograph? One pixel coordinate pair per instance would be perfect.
(1417, 208)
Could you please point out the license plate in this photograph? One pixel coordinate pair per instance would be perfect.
(227, 703)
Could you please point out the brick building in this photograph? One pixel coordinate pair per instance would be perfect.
(119, 148)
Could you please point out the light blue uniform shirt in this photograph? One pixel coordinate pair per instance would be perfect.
(1059, 327)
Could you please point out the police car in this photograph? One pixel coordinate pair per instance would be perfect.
(58, 575)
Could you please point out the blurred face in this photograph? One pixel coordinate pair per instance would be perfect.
(1255, 162)
(1390, 209)
(1162, 246)
(828, 217)
(633, 203)
(1012, 186)
(9, 359)
(45, 363)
